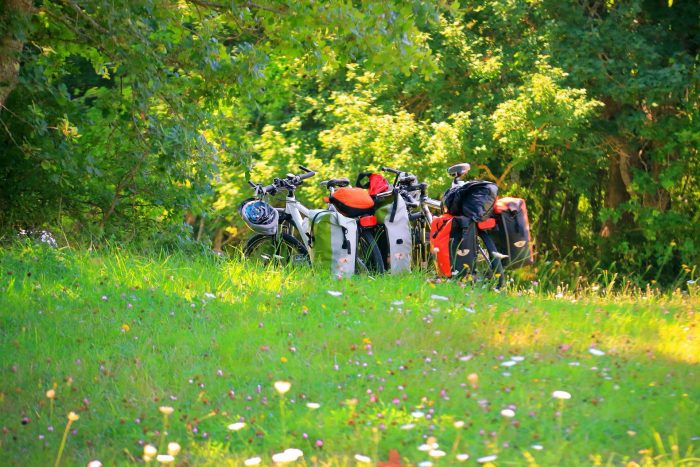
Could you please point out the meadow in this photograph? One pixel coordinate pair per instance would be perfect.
(237, 364)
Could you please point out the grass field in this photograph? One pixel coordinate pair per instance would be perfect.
(375, 365)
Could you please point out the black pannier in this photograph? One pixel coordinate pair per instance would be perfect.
(453, 243)
(512, 232)
(473, 200)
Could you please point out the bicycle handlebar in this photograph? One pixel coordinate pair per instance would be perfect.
(288, 183)
(309, 173)
(433, 202)
(414, 216)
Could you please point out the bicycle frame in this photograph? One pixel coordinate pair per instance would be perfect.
(297, 212)
(426, 204)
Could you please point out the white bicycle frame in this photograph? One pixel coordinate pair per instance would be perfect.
(298, 211)
(426, 205)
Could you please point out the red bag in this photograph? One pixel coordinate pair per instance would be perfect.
(488, 224)
(453, 243)
(375, 184)
(352, 202)
(378, 184)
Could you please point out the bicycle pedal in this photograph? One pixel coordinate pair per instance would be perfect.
(498, 255)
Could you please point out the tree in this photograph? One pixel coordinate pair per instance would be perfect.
(13, 21)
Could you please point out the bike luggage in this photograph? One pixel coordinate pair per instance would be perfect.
(512, 233)
(376, 183)
(453, 243)
(474, 200)
(333, 241)
(395, 241)
(352, 202)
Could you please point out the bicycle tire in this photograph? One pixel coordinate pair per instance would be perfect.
(488, 267)
(422, 255)
(369, 257)
(295, 253)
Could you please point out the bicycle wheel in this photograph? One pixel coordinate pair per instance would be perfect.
(278, 250)
(488, 267)
(369, 257)
(422, 256)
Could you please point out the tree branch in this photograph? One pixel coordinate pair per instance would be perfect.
(87, 17)
(254, 6)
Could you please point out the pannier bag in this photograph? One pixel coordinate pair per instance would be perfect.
(395, 241)
(333, 241)
(512, 232)
(473, 200)
(453, 243)
(352, 202)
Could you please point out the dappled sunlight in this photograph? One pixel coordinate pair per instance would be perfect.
(672, 341)
(680, 341)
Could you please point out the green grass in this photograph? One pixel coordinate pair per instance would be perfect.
(119, 335)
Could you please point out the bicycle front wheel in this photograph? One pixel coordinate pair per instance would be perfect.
(488, 266)
(277, 250)
(369, 257)
(422, 256)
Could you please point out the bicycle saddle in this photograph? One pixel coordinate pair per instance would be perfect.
(458, 170)
(336, 183)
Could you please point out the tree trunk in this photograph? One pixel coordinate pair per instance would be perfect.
(619, 189)
(10, 46)
(218, 240)
(596, 197)
(569, 217)
(544, 237)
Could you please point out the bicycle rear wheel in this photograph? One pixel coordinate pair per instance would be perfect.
(279, 250)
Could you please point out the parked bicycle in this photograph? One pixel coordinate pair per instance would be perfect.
(422, 208)
(283, 235)
(487, 265)
(369, 256)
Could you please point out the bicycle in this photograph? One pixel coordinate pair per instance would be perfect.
(488, 263)
(290, 244)
(421, 211)
(369, 256)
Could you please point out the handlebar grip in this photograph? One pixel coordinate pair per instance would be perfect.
(306, 175)
(394, 171)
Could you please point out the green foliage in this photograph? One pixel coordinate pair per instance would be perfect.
(126, 118)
